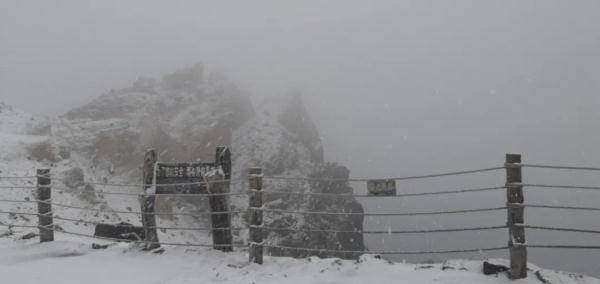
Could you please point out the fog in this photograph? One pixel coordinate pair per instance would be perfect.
(395, 87)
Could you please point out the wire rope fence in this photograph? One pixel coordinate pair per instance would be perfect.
(261, 208)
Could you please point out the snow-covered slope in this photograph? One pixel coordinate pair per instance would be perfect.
(26, 145)
(70, 260)
(18, 131)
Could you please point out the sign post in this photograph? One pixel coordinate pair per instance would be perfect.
(189, 179)
(382, 187)
(148, 200)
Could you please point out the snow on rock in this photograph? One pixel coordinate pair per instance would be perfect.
(71, 260)
(283, 140)
(183, 115)
(15, 121)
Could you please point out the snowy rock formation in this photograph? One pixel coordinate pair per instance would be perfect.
(185, 115)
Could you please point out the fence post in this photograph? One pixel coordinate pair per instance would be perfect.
(256, 215)
(44, 199)
(223, 160)
(221, 221)
(148, 217)
(516, 218)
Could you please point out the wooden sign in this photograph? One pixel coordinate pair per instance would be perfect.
(381, 187)
(188, 178)
(182, 178)
(184, 170)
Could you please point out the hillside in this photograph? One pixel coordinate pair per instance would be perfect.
(184, 115)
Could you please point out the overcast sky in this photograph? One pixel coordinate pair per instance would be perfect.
(394, 86)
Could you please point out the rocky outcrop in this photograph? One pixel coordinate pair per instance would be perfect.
(283, 140)
(307, 233)
(185, 115)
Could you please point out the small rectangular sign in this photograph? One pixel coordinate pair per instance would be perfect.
(184, 170)
(182, 178)
(382, 187)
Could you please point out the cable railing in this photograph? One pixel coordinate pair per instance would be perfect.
(152, 227)
(382, 214)
(455, 173)
(276, 186)
(18, 177)
(17, 187)
(547, 228)
(580, 208)
(384, 232)
(52, 227)
(384, 252)
(532, 185)
(555, 167)
(350, 195)
(140, 185)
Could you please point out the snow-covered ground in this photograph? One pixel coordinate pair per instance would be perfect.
(72, 260)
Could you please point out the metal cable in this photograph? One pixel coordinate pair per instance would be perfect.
(393, 178)
(563, 246)
(95, 191)
(127, 193)
(18, 226)
(387, 232)
(200, 194)
(382, 214)
(145, 242)
(165, 184)
(557, 186)
(307, 193)
(20, 213)
(151, 227)
(388, 252)
(114, 193)
(18, 187)
(194, 214)
(168, 194)
(560, 229)
(17, 177)
(87, 209)
(17, 201)
(397, 195)
(562, 207)
(559, 167)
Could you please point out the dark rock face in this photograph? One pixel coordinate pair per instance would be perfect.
(343, 241)
(99, 246)
(489, 268)
(349, 240)
(122, 231)
(28, 236)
